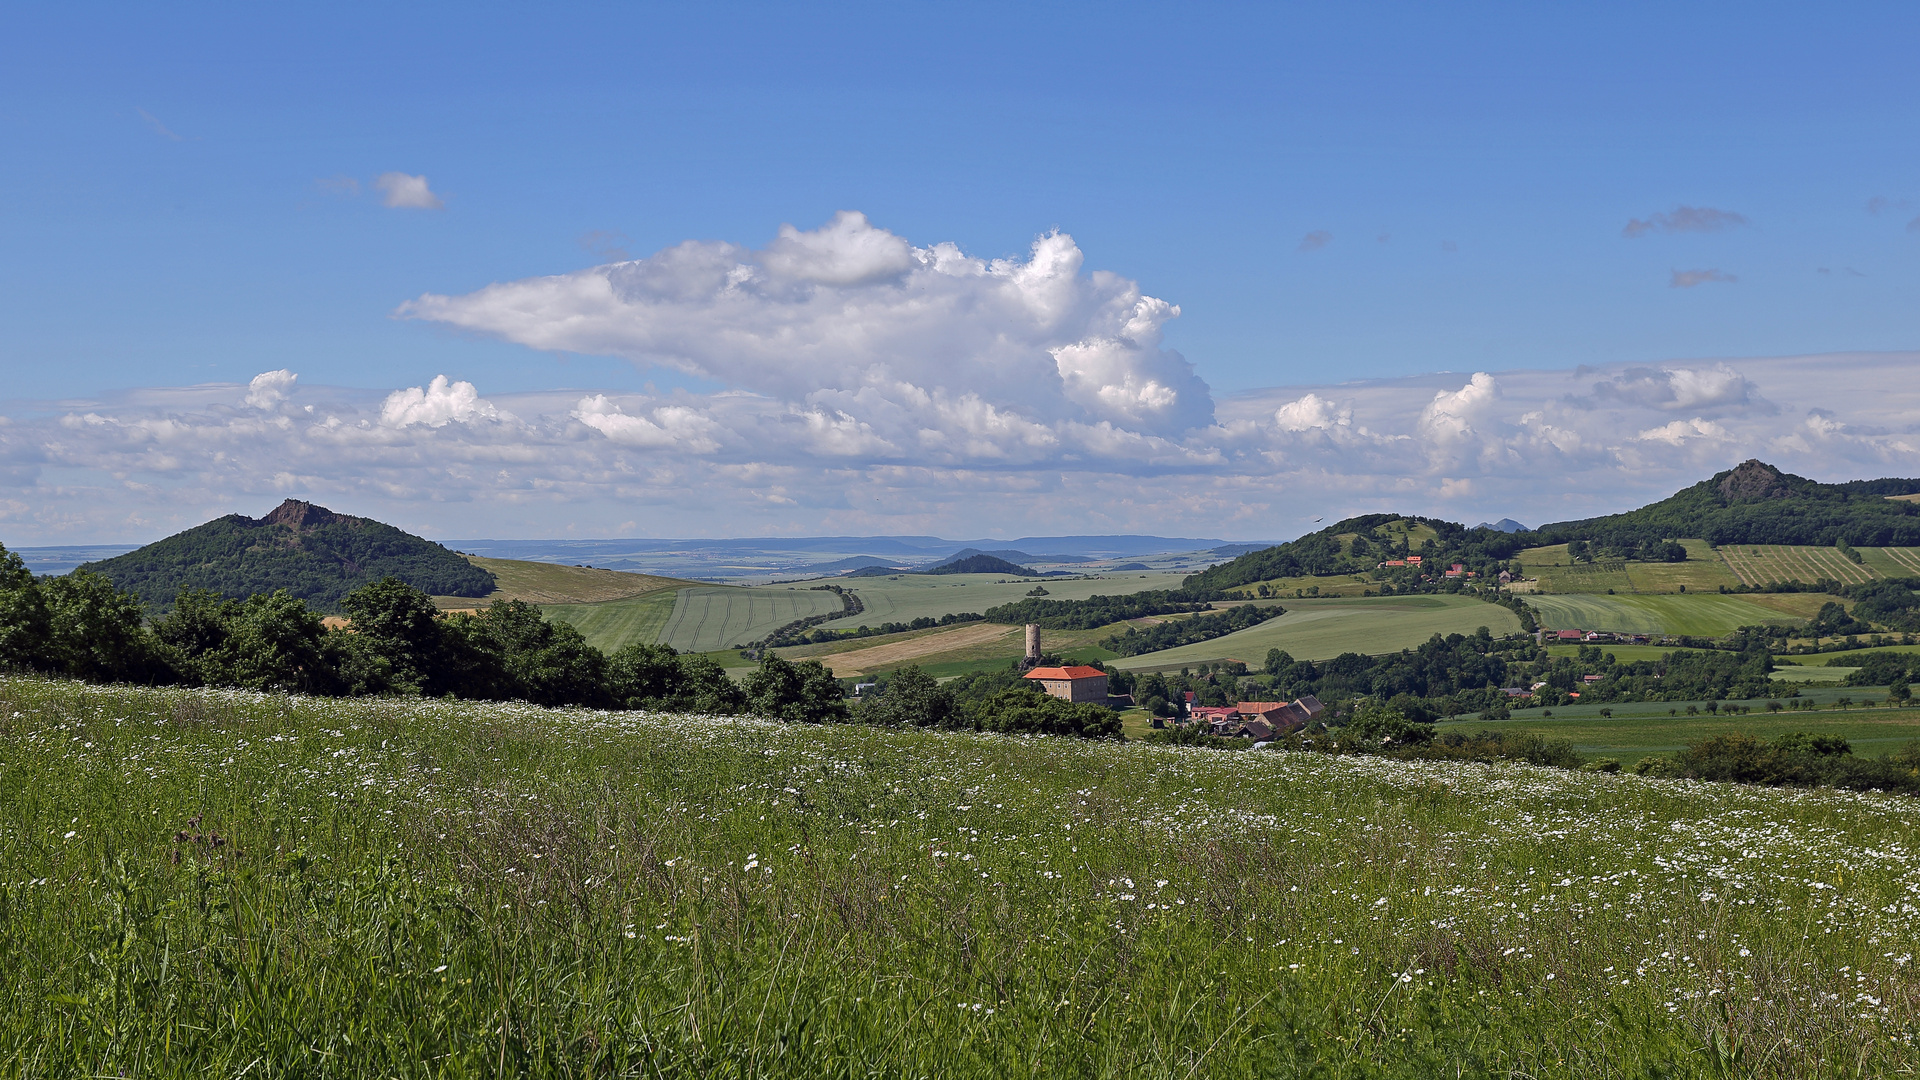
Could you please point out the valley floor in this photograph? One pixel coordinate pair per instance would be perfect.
(215, 883)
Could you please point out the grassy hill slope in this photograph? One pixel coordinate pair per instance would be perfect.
(312, 552)
(551, 583)
(698, 896)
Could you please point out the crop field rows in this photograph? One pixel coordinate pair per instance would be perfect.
(1706, 615)
(615, 624)
(1906, 561)
(1759, 564)
(212, 883)
(720, 617)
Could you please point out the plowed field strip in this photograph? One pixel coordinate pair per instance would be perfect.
(881, 657)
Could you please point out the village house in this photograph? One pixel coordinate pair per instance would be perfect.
(1261, 720)
(1078, 683)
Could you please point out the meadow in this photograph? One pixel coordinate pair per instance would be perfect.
(1710, 615)
(1321, 629)
(217, 883)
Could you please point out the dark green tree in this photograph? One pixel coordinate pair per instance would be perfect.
(99, 633)
(911, 698)
(1027, 711)
(645, 676)
(26, 626)
(804, 692)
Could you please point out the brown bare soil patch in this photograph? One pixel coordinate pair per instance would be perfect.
(894, 653)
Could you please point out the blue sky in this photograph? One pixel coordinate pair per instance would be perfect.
(1344, 195)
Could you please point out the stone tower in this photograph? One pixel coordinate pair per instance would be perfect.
(1033, 644)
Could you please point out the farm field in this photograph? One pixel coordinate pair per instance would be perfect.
(550, 583)
(1321, 629)
(1894, 562)
(615, 624)
(1791, 674)
(1702, 572)
(1758, 564)
(1710, 615)
(984, 639)
(517, 891)
(720, 617)
(1873, 732)
(914, 596)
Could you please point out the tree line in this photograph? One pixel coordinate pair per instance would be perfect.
(398, 643)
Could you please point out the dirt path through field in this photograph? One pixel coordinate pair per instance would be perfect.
(892, 654)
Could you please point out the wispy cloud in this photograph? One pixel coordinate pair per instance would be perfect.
(1684, 219)
(159, 128)
(1687, 279)
(1316, 240)
(406, 192)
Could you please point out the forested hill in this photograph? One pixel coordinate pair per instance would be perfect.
(310, 551)
(1755, 503)
(1358, 545)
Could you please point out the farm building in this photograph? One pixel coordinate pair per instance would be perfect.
(1079, 683)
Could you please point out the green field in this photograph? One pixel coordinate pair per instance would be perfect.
(614, 624)
(1701, 572)
(1320, 629)
(1630, 737)
(915, 596)
(208, 883)
(1708, 615)
(720, 617)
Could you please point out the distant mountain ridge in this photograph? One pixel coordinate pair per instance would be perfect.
(1755, 503)
(312, 552)
(1751, 503)
(981, 563)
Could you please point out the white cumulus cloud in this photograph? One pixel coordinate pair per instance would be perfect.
(854, 309)
(1309, 412)
(437, 404)
(1451, 416)
(404, 192)
(270, 388)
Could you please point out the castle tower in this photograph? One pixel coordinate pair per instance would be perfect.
(1033, 644)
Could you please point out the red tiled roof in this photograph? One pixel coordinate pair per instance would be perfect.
(1075, 672)
(1254, 708)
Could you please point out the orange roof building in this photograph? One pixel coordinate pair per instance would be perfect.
(1077, 683)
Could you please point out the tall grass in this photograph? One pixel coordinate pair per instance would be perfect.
(222, 883)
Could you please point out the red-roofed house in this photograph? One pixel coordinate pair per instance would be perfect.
(1079, 683)
(1570, 635)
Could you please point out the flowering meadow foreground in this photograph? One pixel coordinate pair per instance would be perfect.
(216, 883)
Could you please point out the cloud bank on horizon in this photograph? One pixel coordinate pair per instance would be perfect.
(871, 385)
